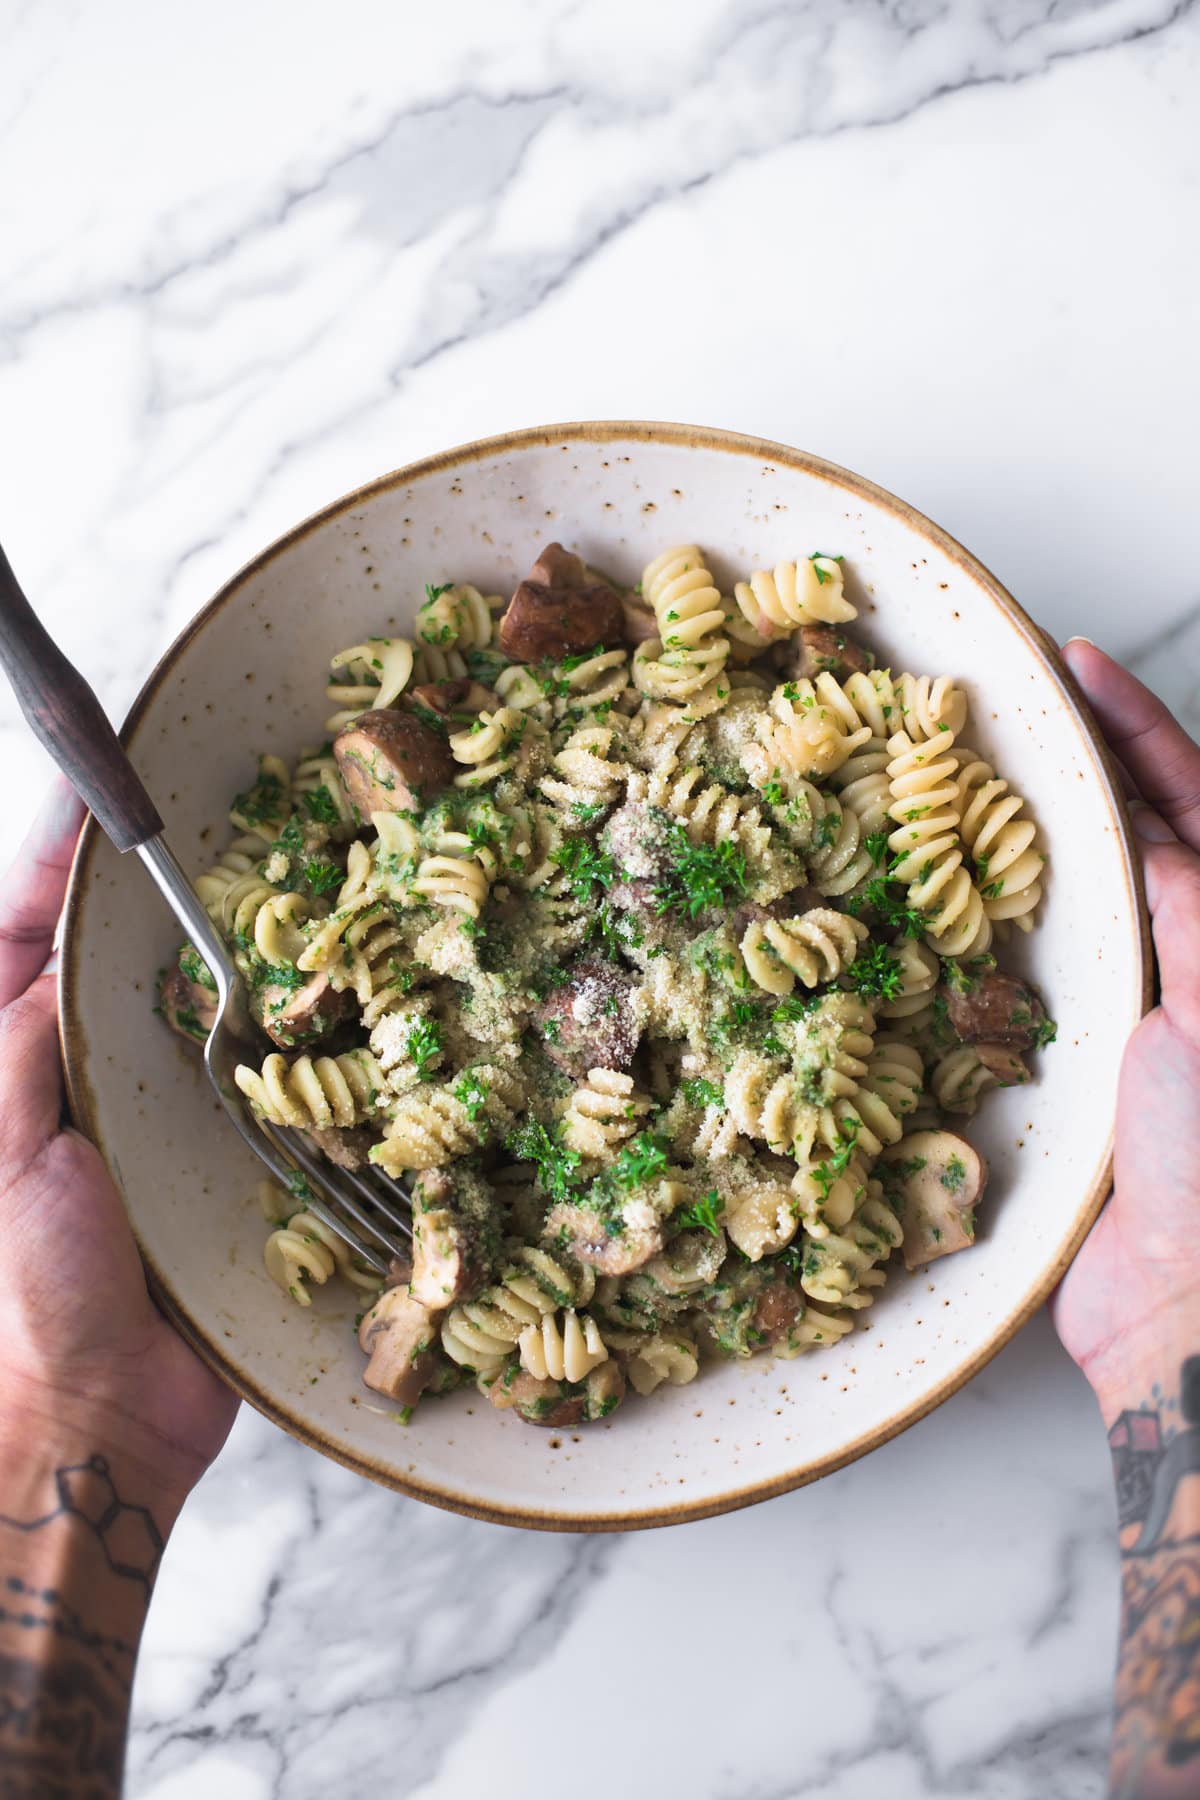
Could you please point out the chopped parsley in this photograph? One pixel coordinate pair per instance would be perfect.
(642, 1159)
(887, 897)
(196, 969)
(424, 1046)
(701, 877)
(1044, 1032)
(262, 803)
(816, 559)
(321, 877)
(556, 1165)
(876, 973)
(702, 1215)
(471, 1092)
(584, 866)
(699, 1092)
(876, 846)
(953, 1175)
(320, 805)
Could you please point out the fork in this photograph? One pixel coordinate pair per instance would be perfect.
(67, 717)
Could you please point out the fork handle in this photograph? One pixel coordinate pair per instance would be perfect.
(66, 715)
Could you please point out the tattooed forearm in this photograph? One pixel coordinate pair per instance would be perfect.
(1156, 1460)
(77, 1563)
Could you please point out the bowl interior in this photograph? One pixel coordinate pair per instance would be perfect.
(248, 677)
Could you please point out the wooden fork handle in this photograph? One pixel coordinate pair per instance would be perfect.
(66, 715)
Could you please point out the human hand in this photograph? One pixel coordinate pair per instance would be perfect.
(86, 1357)
(1133, 1292)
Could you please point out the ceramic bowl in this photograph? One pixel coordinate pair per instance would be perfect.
(247, 676)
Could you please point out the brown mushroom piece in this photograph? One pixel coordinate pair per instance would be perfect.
(935, 1180)
(390, 762)
(455, 1236)
(640, 623)
(291, 1018)
(612, 1243)
(559, 610)
(452, 699)
(641, 841)
(560, 1403)
(994, 1008)
(187, 1004)
(559, 568)
(778, 1310)
(589, 1023)
(823, 649)
(690, 1261)
(398, 1336)
(345, 1146)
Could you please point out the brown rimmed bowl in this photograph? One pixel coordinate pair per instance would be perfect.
(246, 676)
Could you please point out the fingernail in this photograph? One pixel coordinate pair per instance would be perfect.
(1080, 639)
(1149, 825)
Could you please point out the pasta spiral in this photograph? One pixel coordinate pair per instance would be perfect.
(602, 1113)
(433, 1125)
(929, 855)
(241, 858)
(306, 1249)
(562, 1346)
(584, 774)
(887, 1092)
(328, 1091)
(1003, 846)
(458, 617)
(320, 794)
(919, 970)
(814, 947)
(482, 1334)
(709, 813)
(842, 1268)
(809, 731)
(686, 662)
(489, 747)
(373, 674)
(838, 858)
(666, 1356)
(809, 592)
(459, 882)
(767, 1104)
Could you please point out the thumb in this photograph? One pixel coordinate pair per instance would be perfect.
(30, 1077)
(1173, 894)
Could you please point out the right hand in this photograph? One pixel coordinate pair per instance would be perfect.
(1134, 1287)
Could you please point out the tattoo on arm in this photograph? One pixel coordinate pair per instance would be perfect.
(1156, 1461)
(130, 1540)
(67, 1651)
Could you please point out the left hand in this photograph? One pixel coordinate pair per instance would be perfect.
(85, 1355)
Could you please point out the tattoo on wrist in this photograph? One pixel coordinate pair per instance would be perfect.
(66, 1674)
(130, 1541)
(1156, 1461)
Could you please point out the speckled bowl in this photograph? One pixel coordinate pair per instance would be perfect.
(247, 676)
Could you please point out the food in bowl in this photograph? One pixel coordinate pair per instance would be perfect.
(649, 938)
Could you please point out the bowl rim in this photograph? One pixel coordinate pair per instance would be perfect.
(81, 1099)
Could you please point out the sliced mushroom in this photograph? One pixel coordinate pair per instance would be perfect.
(188, 1005)
(390, 762)
(613, 1243)
(559, 610)
(559, 568)
(346, 1146)
(452, 699)
(935, 1180)
(995, 1008)
(778, 1310)
(560, 1403)
(398, 1337)
(453, 1229)
(589, 1023)
(823, 649)
(690, 1261)
(640, 622)
(298, 1017)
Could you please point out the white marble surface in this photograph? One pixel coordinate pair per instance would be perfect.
(254, 254)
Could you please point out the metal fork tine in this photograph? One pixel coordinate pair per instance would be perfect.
(284, 1171)
(339, 1186)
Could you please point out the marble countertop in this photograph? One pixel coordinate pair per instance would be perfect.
(250, 261)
